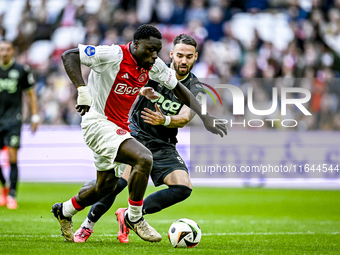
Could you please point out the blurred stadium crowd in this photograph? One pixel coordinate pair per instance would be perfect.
(258, 43)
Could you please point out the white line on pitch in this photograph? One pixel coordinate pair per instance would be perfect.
(113, 220)
(269, 233)
(204, 234)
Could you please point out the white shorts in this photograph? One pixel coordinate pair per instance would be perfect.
(104, 137)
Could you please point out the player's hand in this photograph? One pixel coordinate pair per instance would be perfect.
(149, 93)
(82, 109)
(34, 127)
(218, 128)
(35, 119)
(84, 100)
(153, 118)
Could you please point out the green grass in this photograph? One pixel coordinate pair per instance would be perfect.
(233, 221)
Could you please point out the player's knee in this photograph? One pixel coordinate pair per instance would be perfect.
(90, 184)
(145, 162)
(180, 192)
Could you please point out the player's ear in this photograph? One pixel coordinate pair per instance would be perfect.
(136, 44)
(171, 54)
(196, 55)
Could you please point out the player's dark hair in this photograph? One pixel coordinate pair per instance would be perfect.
(145, 31)
(185, 39)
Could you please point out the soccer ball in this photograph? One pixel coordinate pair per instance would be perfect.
(184, 233)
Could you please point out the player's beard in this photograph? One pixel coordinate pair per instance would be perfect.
(5, 60)
(182, 73)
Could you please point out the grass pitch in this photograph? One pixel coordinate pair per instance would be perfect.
(233, 221)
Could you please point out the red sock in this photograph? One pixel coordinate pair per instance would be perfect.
(135, 203)
(135, 210)
(71, 207)
(76, 205)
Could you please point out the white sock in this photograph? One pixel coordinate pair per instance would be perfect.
(134, 212)
(88, 223)
(68, 209)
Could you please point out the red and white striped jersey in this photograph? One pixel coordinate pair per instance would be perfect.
(115, 80)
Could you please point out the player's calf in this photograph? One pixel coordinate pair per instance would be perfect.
(93, 191)
(161, 199)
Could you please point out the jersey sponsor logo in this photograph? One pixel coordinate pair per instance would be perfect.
(180, 160)
(121, 131)
(142, 77)
(90, 51)
(13, 74)
(125, 76)
(8, 84)
(167, 104)
(122, 88)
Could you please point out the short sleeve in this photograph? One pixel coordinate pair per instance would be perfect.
(199, 97)
(100, 57)
(28, 78)
(197, 90)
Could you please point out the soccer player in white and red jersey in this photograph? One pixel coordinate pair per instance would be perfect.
(118, 72)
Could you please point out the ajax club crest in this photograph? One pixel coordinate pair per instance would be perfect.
(142, 77)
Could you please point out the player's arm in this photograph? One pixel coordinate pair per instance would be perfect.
(28, 83)
(149, 93)
(97, 58)
(175, 121)
(71, 61)
(182, 118)
(184, 95)
(167, 78)
(188, 98)
(34, 109)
